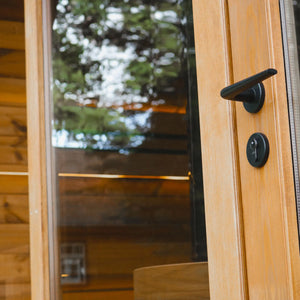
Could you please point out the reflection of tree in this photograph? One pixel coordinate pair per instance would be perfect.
(107, 53)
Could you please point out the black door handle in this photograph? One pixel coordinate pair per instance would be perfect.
(251, 91)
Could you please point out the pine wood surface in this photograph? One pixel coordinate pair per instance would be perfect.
(12, 35)
(224, 226)
(12, 92)
(271, 239)
(17, 268)
(12, 63)
(14, 209)
(14, 214)
(172, 282)
(19, 291)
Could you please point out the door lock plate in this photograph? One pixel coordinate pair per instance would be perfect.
(257, 150)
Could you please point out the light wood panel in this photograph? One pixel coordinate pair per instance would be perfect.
(12, 121)
(39, 246)
(13, 185)
(14, 209)
(12, 35)
(12, 63)
(14, 238)
(13, 156)
(270, 223)
(13, 141)
(12, 92)
(17, 291)
(14, 214)
(227, 275)
(172, 282)
(16, 268)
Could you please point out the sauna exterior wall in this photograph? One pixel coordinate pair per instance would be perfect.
(14, 214)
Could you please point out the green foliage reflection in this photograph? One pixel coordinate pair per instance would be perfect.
(108, 54)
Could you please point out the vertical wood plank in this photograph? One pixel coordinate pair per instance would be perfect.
(227, 274)
(36, 150)
(268, 193)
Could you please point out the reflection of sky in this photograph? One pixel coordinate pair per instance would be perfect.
(64, 139)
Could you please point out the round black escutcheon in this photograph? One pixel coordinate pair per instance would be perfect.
(257, 150)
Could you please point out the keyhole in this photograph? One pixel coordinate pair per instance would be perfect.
(257, 150)
(254, 146)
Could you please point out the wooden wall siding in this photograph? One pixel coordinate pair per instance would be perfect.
(12, 91)
(12, 63)
(118, 210)
(80, 161)
(102, 186)
(12, 10)
(12, 35)
(110, 262)
(14, 209)
(125, 224)
(14, 214)
(96, 295)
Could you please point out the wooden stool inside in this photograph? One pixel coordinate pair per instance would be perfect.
(186, 281)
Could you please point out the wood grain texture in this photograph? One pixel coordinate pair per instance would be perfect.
(172, 282)
(39, 246)
(14, 209)
(14, 238)
(12, 63)
(272, 249)
(94, 295)
(15, 268)
(219, 155)
(17, 291)
(12, 92)
(13, 185)
(12, 35)
(13, 121)
(14, 214)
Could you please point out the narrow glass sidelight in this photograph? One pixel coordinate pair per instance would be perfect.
(125, 132)
(290, 18)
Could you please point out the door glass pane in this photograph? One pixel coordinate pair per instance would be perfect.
(125, 132)
(290, 16)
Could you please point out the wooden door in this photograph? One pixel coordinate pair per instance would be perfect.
(250, 40)
(252, 236)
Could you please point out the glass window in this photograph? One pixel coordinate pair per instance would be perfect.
(290, 16)
(125, 131)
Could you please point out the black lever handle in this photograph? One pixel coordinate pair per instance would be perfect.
(251, 91)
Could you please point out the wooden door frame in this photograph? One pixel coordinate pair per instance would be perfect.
(268, 194)
(220, 153)
(37, 154)
(224, 224)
